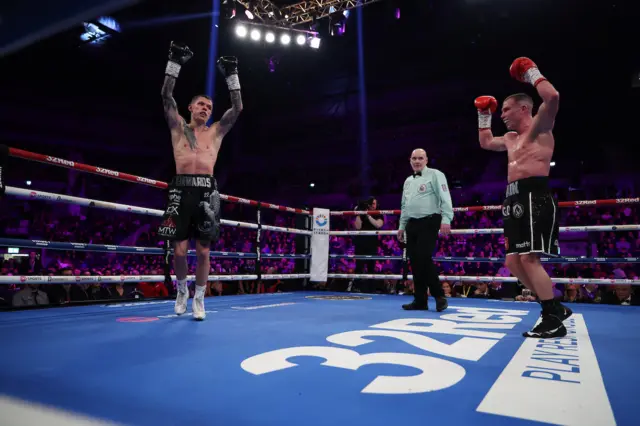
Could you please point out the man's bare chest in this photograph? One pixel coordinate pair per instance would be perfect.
(196, 141)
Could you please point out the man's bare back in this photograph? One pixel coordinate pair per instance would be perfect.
(528, 158)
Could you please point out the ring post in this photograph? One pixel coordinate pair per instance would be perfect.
(258, 267)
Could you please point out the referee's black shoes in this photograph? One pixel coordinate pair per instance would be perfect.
(441, 305)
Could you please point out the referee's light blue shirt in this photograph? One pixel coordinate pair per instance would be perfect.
(426, 195)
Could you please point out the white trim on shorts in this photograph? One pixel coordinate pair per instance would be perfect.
(553, 223)
(531, 223)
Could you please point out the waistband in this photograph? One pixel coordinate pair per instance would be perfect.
(194, 181)
(526, 185)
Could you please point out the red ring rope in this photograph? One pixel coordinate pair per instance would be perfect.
(26, 155)
(47, 159)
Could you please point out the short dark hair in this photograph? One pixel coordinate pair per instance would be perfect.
(521, 98)
(200, 96)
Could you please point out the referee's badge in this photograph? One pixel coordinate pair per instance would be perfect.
(422, 188)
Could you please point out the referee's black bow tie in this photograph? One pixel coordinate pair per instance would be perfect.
(417, 174)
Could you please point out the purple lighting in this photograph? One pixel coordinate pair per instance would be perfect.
(397, 13)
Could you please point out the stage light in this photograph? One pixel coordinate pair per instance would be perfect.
(553, 163)
(96, 34)
(312, 185)
(338, 23)
(269, 34)
(241, 31)
(28, 183)
(314, 43)
(229, 9)
(248, 11)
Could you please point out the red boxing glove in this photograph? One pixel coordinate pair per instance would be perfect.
(526, 71)
(486, 106)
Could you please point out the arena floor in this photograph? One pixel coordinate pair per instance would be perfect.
(258, 360)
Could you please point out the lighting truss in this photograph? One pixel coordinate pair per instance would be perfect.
(301, 12)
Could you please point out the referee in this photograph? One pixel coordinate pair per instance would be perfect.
(426, 209)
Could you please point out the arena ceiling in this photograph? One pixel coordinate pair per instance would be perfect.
(422, 72)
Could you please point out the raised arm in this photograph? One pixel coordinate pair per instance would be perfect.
(178, 56)
(526, 71)
(169, 104)
(228, 66)
(486, 106)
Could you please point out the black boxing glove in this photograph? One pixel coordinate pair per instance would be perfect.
(178, 56)
(228, 66)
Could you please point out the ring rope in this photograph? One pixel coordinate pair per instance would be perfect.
(85, 202)
(497, 259)
(115, 279)
(108, 248)
(467, 278)
(605, 202)
(32, 156)
(500, 230)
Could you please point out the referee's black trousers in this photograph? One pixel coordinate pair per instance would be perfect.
(421, 237)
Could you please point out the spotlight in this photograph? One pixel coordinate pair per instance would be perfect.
(229, 9)
(270, 37)
(255, 35)
(28, 183)
(338, 23)
(312, 185)
(314, 43)
(241, 31)
(553, 163)
(301, 39)
(285, 39)
(250, 6)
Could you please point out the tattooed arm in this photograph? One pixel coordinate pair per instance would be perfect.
(231, 115)
(170, 107)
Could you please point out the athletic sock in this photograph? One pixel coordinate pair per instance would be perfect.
(548, 306)
(182, 285)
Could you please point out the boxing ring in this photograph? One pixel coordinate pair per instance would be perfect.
(308, 357)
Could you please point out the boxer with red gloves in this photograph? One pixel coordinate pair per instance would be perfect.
(530, 211)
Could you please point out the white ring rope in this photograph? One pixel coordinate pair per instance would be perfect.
(467, 278)
(116, 279)
(85, 202)
(500, 230)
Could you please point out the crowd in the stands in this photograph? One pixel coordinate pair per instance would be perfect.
(44, 222)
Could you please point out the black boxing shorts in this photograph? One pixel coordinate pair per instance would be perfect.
(193, 209)
(530, 215)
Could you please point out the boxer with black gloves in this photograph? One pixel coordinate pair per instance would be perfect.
(530, 211)
(193, 206)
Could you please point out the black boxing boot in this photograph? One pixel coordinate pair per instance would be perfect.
(550, 325)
